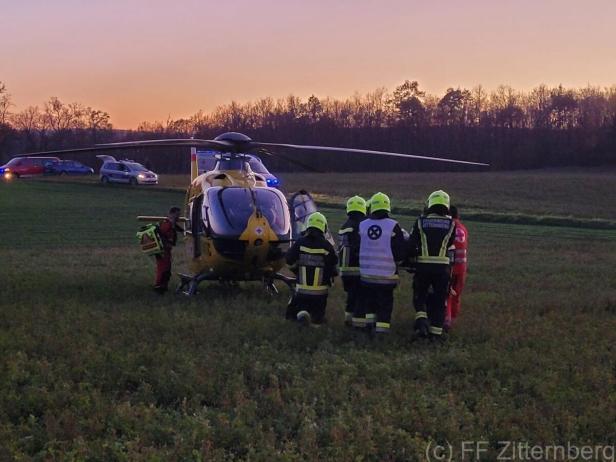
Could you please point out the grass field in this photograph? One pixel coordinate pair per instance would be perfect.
(93, 366)
(579, 193)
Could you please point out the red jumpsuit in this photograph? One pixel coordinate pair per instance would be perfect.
(163, 261)
(458, 273)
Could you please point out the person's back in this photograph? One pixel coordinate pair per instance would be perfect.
(432, 236)
(314, 253)
(313, 259)
(348, 253)
(381, 247)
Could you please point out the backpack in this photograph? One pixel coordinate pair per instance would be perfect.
(150, 240)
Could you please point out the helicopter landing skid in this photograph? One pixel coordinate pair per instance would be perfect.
(268, 283)
(188, 284)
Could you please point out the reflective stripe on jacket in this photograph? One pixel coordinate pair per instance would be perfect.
(348, 248)
(435, 234)
(313, 259)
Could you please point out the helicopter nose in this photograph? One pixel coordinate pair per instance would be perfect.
(257, 236)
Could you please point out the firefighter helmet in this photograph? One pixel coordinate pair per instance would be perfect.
(356, 204)
(318, 221)
(438, 198)
(380, 201)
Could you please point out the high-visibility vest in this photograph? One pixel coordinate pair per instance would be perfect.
(310, 271)
(376, 259)
(445, 225)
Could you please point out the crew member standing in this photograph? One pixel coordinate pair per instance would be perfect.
(432, 236)
(313, 259)
(168, 235)
(458, 270)
(381, 246)
(348, 253)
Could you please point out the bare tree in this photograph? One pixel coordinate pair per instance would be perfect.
(5, 104)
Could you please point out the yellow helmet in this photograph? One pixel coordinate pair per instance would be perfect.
(317, 220)
(356, 204)
(438, 198)
(380, 201)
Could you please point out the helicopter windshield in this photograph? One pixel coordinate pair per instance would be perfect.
(230, 164)
(274, 208)
(231, 208)
(257, 166)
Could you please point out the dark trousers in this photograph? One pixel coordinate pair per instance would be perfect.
(430, 289)
(351, 287)
(314, 304)
(375, 304)
(163, 269)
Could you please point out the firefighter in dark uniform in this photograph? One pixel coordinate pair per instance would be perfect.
(313, 259)
(168, 234)
(381, 247)
(431, 239)
(348, 253)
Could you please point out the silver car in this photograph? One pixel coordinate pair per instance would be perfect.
(125, 171)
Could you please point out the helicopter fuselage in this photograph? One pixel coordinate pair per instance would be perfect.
(237, 228)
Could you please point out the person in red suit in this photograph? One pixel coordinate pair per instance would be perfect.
(458, 271)
(168, 234)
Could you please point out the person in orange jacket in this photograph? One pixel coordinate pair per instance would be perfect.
(168, 234)
(458, 271)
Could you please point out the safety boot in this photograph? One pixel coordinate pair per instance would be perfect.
(303, 318)
(422, 327)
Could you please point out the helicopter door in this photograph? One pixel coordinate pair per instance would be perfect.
(196, 225)
(302, 206)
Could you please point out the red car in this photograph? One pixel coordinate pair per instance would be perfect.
(26, 166)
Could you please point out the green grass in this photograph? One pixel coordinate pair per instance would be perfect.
(93, 366)
(580, 193)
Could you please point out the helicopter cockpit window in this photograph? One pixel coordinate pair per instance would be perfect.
(206, 163)
(273, 208)
(230, 164)
(257, 166)
(230, 209)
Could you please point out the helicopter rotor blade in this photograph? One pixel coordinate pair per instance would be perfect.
(366, 151)
(291, 160)
(212, 144)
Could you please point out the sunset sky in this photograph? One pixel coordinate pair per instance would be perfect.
(147, 60)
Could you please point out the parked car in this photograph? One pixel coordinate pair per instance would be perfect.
(125, 171)
(67, 167)
(207, 160)
(25, 166)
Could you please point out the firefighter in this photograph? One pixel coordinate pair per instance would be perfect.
(381, 246)
(458, 270)
(313, 259)
(432, 236)
(167, 231)
(348, 253)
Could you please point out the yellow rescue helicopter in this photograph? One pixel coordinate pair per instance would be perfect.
(236, 227)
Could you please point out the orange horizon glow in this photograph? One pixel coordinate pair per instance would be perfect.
(149, 60)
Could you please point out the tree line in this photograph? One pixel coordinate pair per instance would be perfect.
(510, 129)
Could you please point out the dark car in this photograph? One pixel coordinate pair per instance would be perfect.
(208, 160)
(67, 167)
(26, 166)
